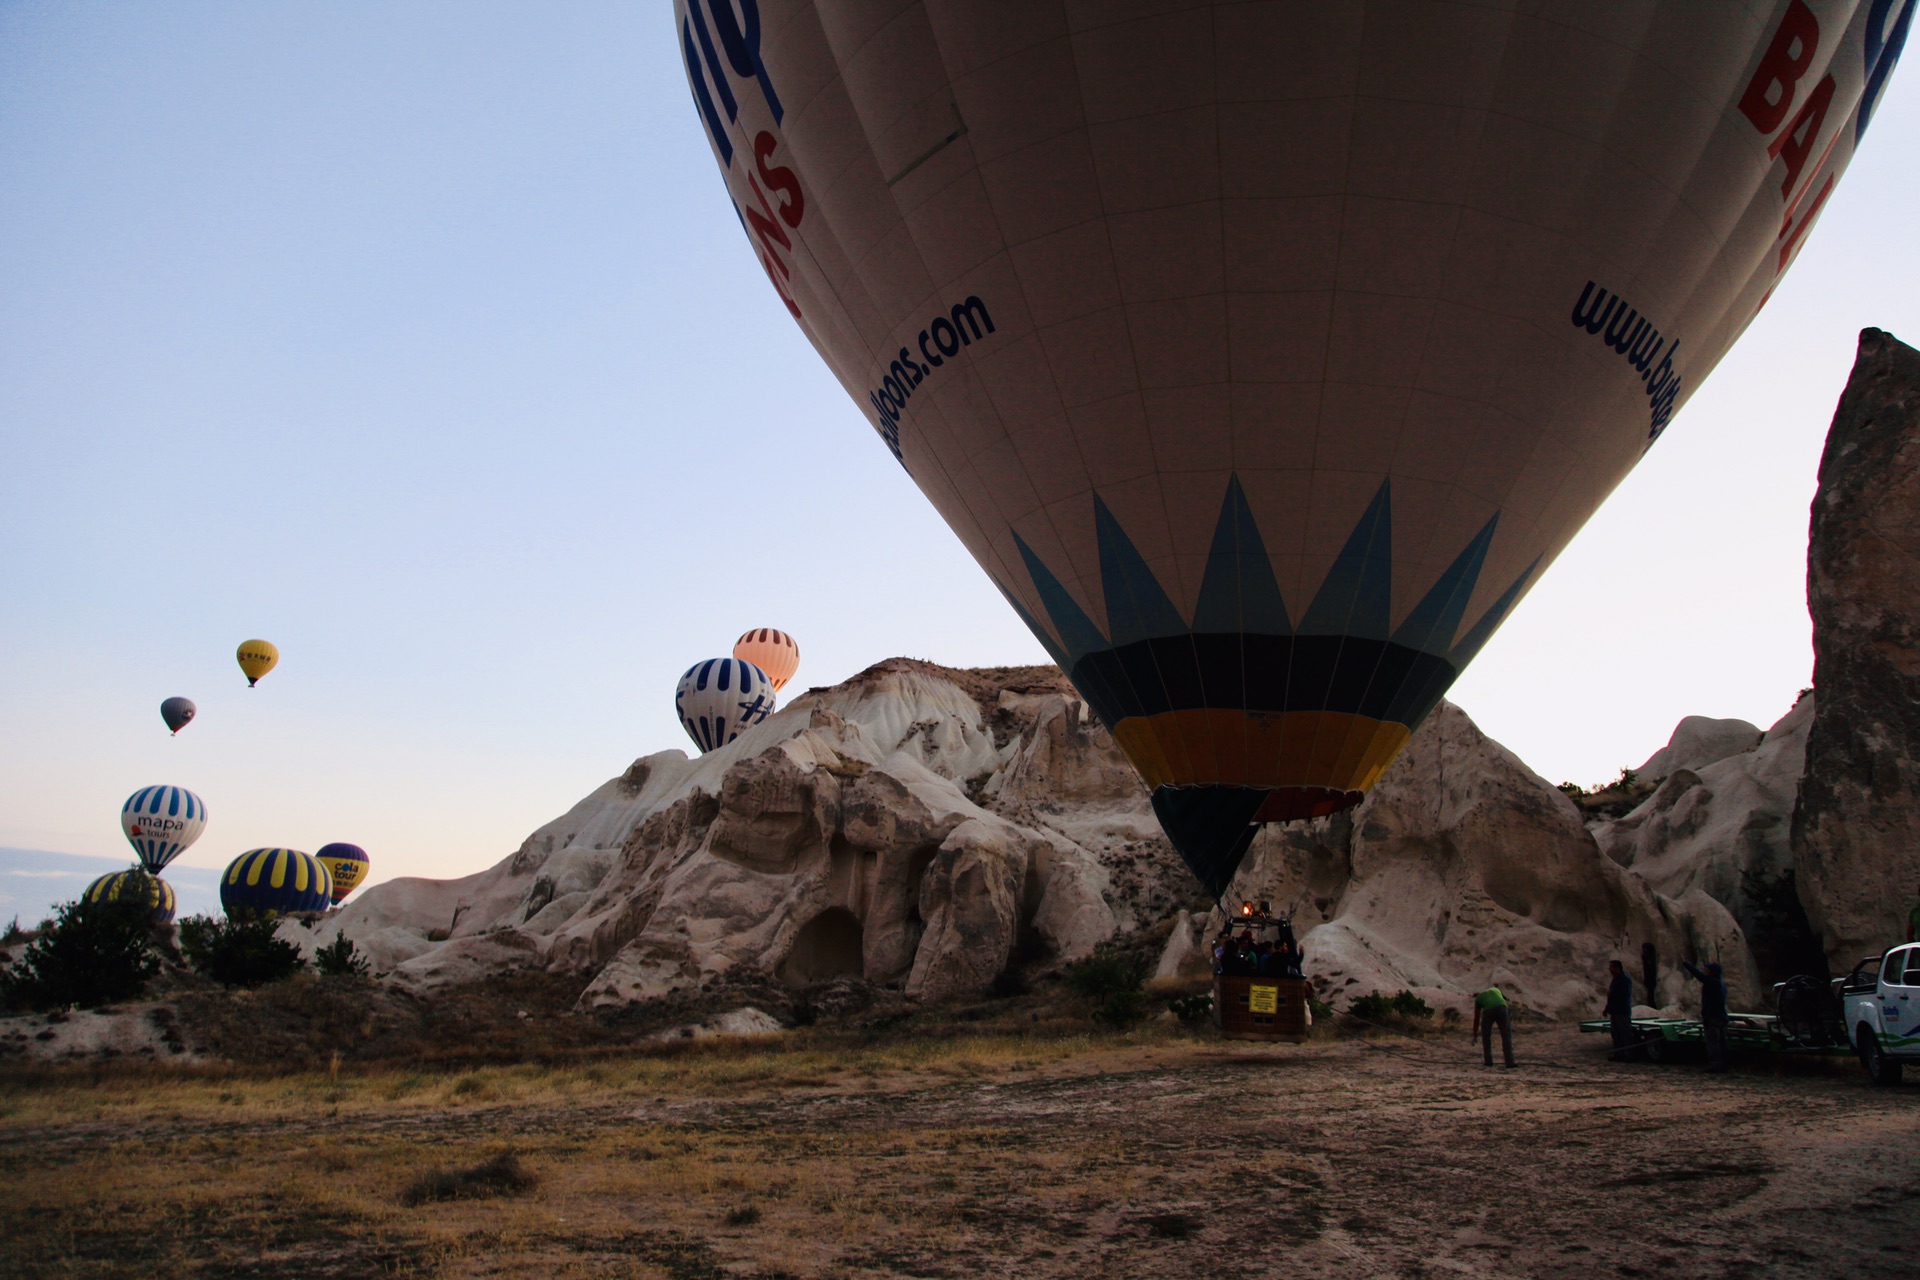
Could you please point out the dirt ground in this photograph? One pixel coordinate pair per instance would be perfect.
(1150, 1155)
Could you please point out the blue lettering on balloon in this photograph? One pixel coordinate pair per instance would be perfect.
(1633, 337)
(1882, 53)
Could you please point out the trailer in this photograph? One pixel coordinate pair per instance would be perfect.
(1684, 1039)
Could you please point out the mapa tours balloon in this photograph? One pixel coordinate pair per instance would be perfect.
(262, 884)
(178, 713)
(774, 652)
(720, 697)
(160, 822)
(1264, 354)
(347, 864)
(256, 658)
(150, 891)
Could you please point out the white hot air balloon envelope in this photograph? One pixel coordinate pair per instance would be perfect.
(719, 698)
(160, 822)
(1264, 354)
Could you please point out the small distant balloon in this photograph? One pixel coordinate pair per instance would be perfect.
(774, 652)
(178, 713)
(719, 698)
(160, 822)
(256, 658)
(263, 884)
(347, 864)
(150, 891)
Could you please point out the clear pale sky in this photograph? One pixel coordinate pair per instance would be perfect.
(422, 341)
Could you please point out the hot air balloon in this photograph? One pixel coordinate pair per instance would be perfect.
(1265, 354)
(347, 864)
(719, 698)
(178, 713)
(160, 822)
(262, 884)
(774, 652)
(135, 886)
(256, 658)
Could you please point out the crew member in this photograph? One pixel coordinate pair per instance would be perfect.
(1619, 1010)
(1490, 1009)
(1713, 1012)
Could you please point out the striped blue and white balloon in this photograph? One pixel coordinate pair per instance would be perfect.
(160, 822)
(719, 698)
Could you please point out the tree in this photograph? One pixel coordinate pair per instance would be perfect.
(238, 953)
(93, 953)
(1110, 980)
(340, 959)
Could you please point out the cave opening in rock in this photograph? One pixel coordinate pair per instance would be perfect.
(828, 946)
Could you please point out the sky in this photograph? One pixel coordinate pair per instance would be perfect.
(422, 341)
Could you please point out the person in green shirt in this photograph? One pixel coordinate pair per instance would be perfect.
(1489, 1010)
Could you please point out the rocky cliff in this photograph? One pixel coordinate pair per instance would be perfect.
(925, 828)
(1856, 829)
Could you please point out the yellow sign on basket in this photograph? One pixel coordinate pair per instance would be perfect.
(1263, 999)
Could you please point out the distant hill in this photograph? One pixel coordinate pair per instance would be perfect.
(33, 881)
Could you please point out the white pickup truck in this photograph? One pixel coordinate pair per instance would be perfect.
(1880, 1000)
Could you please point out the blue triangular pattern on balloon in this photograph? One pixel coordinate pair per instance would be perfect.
(1077, 633)
(1356, 599)
(1061, 657)
(1137, 609)
(1431, 626)
(1470, 643)
(1238, 591)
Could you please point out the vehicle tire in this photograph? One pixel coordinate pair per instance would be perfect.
(1659, 1051)
(1881, 1069)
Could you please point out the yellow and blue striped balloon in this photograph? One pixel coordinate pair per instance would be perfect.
(261, 884)
(135, 886)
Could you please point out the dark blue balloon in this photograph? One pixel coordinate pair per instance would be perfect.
(177, 712)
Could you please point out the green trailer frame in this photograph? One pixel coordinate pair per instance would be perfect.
(1678, 1039)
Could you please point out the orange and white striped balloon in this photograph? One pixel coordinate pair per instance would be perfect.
(774, 652)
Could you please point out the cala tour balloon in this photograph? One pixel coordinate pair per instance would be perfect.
(160, 822)
(1265, 354)
(178, 713)
(774, 652)
(719, 698)
(256, 658)
(347, 864)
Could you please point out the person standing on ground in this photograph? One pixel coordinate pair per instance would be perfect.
(1713, 1012)
(1490, 1009)
(1913, 922)
(1619, 1010)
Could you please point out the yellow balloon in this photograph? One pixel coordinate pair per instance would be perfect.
(256, 658)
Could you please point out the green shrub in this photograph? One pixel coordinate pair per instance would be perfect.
(1374, 1007)
(340, 959)
(238, 953)
(91, 953)
(1111, 980)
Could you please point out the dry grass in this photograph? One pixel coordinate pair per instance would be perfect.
(1151, 1154)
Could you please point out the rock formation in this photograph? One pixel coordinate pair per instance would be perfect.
(1698, 741)
(1856, 829)
(1465, 868)
(922, 828)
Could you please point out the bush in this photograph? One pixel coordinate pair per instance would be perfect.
(1111, 981)
(1008, 983)
(501, 1176)
(238, 953)
(340, 959)
(1374, 1007)
(92, 953)
(1193, 1011)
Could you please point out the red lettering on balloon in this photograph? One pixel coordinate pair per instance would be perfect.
(780, 178)
(1787, 59)
(1796, 140)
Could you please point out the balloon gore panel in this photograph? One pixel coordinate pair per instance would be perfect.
(1265, 354)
